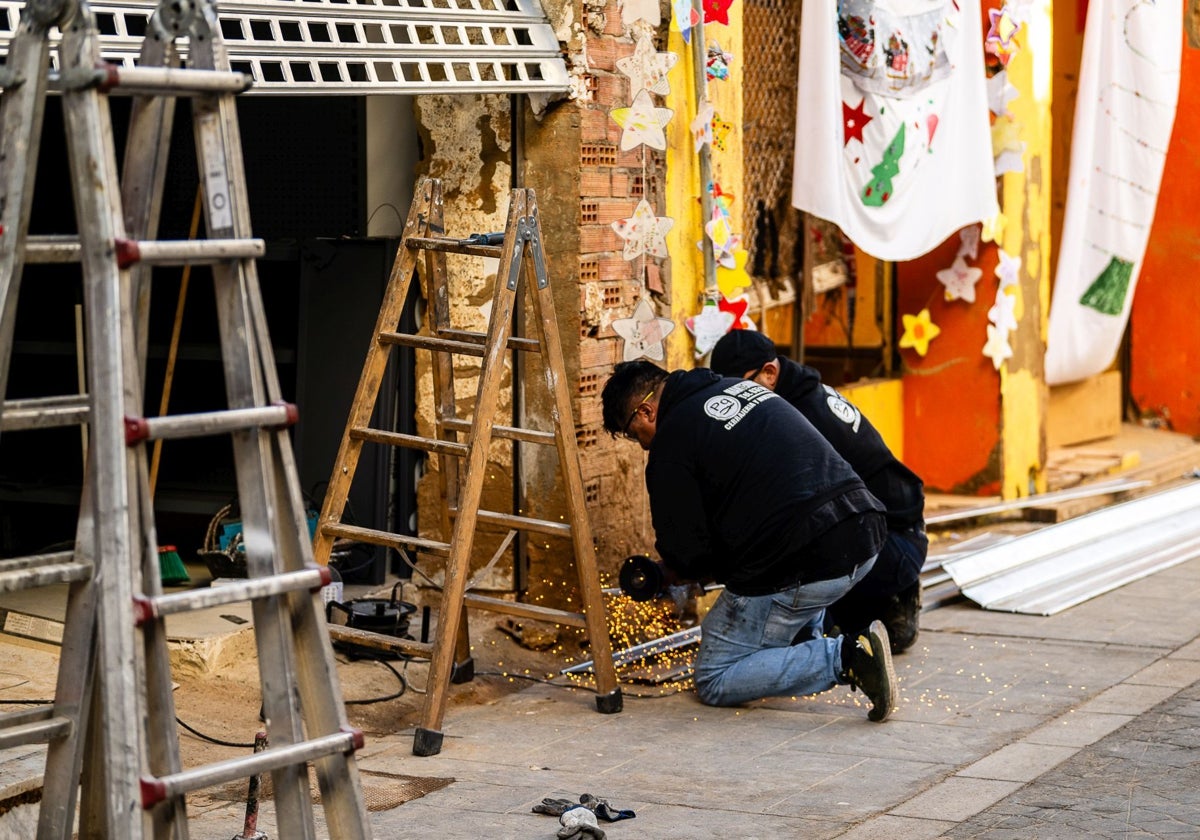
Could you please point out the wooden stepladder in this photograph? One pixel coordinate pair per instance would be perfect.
(463, 464)
(133, 781)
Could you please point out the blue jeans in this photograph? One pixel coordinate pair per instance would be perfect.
(747, 650)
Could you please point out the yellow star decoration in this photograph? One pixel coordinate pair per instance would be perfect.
(1006, 136)
(720, 129)
(729, 280)
(993, 228)
(918, 332)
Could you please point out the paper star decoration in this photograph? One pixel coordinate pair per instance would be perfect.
(708, 327)
(724, 240)
(993, 228)
(968, 242)
(717, 65)
(918, 332)
(959, 280)
(644, 232)
(635, 10)
(1000, 93)
(717, 11)
(997, 347)
(683, 17)
(721, 199)
(1007, 146)
(853, 122)
(737, 307)
(1002, 313)
(730, 279)
(647, 69)
(1008, 269)
(999, 41)
(642, 122)
(644, 333)
(720, 131)
(702, 131)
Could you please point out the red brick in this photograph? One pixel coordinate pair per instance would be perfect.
(612, 91)
(633, 157)
(597, 239)
(595, 125)
(595, 353)
(611, 211)
(594, 184)
(603, 53)
(615, 269)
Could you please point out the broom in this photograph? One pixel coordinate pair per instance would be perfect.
(171, 570)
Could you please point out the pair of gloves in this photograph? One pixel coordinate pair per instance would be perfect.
(578, 819)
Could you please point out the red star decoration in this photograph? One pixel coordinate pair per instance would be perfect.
(853, 122)
(737, 308)
(717, 11)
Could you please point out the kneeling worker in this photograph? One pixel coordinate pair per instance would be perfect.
(892, 590)
(744, 491)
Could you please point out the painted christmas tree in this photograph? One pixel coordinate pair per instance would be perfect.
(1107, 292)
(879, 189)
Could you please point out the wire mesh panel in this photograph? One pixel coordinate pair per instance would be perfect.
(368, 46)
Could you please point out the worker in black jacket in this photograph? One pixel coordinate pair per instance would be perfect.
(744, 491)
(892, 590)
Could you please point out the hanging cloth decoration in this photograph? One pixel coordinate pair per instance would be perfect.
(892, 141)
(1124, 112)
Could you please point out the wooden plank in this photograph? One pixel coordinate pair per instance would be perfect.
(1084, 411)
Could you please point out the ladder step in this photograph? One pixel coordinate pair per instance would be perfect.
(463, 342)
(172, 80)
(444, 447)
(41, 570)
(206, 423)
(453, 246)
(52, 249)
(147, 608)
(44, 412)
(186, 251)
(521, 523)
(530, 611)
(156, 790)
(507, 432)
(370, 535)
(32, 726)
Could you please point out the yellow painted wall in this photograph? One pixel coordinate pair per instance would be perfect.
(882, 402)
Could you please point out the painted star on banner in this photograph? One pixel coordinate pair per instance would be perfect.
(968, 242)
(854, 120)
(1000, 93)
(959, 280)
(919, 330)
(635, 10)
(644, 232)
(997, 347)
(708, 326)
(643, 332)
(702, 131)
(642, 122)
(647, 68)
(1003, 311)
(1008, 269)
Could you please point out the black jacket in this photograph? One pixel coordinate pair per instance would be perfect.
(744, 491)
(856, 440)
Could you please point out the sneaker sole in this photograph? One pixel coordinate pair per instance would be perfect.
(877, 633)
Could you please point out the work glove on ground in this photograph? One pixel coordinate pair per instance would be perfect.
(578, 823)
(604, 810)
(554, 807)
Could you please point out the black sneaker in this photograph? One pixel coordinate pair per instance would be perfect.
(902, 617)
(869, 667)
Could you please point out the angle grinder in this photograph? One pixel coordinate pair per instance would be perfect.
(641, 578)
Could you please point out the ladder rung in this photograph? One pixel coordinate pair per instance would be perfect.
(453, 246)
(370, 535)
(531, 611)
(32, 726)
(16, 579)
(33, 561)
(425, 342)
(277, 416)
(186, 251)
(379, 641)
(444, 447)
(172, 80)
(146, 608)
(44, 412)
(521, 523)
(529, 345)
(52, 249)
(156, 790)
(507, 432)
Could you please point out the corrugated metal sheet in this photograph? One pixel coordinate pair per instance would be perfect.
(1049, 570)
(366, 46)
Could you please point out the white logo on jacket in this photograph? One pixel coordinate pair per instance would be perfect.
(842, 408)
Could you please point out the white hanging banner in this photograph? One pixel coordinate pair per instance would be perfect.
(1128, 89)
(893, 142)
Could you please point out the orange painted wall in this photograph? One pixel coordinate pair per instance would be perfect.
(1164, 336)
(952, 395)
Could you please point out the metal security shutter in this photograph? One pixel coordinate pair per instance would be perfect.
(366, 46)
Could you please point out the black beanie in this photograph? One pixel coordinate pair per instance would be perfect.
(740, 351)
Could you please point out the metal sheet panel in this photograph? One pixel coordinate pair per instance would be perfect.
(296, 47)
(1047, 571)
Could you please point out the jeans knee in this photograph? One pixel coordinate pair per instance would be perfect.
(708, 690)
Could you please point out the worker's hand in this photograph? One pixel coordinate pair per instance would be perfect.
(670, 578)
(604, 810)
(579, 822)
(554, 807)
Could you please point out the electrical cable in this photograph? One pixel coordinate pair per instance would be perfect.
(369, 700)
(211, 739)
